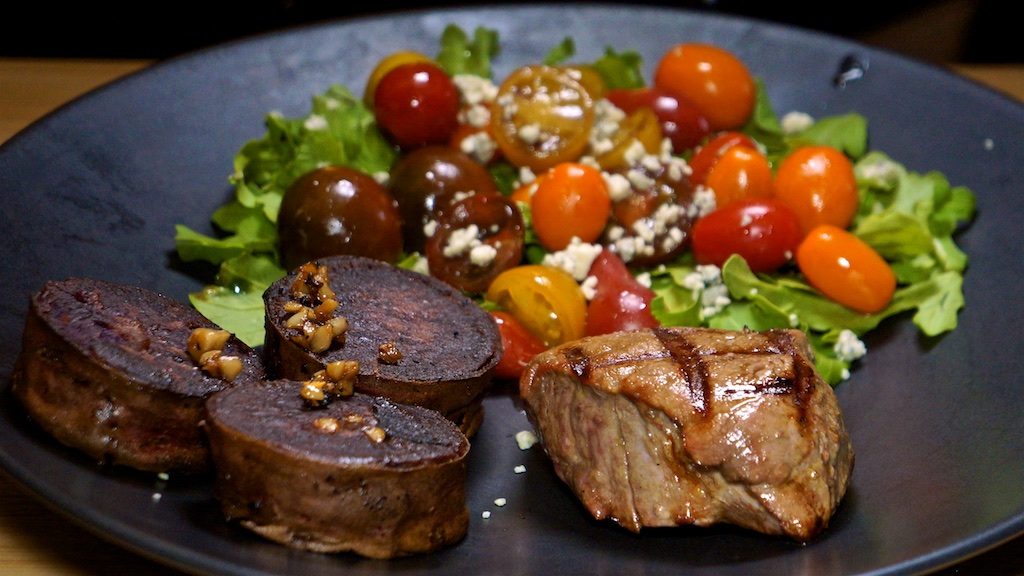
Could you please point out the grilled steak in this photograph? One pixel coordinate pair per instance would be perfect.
(417, 340)
(677, 426)
(362, 474)
(104, 368)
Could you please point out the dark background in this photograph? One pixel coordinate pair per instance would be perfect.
(942, 31)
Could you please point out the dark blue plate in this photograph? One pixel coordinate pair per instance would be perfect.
(95, 189)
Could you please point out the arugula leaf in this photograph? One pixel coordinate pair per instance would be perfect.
(460, 55)
(620, 69)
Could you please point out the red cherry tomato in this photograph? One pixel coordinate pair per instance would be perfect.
(761, 230)
(417, 104)
(681, 121)
(620, 301)
(712, 78)
(846, 269)
(819, 185)
(518, 344)
(571, 200)
(708, 154)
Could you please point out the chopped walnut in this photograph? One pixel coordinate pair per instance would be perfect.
(206, 347)
(375, 433)
(328, 425)
(311, 317)
(388, 353)
(336, 380)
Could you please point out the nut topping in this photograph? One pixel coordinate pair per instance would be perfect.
(206, 347)
(311, 319)
(336, 380)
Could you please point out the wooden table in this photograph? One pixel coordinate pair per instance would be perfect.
(37, 541)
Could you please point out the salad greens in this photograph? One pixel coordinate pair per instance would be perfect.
(909, 218)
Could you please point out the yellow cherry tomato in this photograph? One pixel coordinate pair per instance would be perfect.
(542, 116)
(546, 300)
(642, 126)
(386, 65)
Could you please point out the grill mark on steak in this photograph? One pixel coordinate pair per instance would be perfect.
(694, 371)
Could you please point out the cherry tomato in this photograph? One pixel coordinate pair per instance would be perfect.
(620, 301)
(761, 230)
(477, 238)
(715, 80)
(640, 126)
(846, 269)
(707, 154)
(387, 64)
(681, 121)
(589, 78)
(417, 104)
(819, 186)
(518, 345)
(542, 116)
(571, 200)
(426, 181)
(547, 301)
(740, 172)
(338, 210)
(651, 225)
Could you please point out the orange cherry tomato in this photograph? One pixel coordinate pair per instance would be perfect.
(542, 116)
(846, 269)
(704, 157)
(546, 300)
(571, 200)
(386, 65)
(741, 172)
(714, 79)
(819, 185)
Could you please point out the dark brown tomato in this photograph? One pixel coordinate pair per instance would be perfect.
(337, 210)
(655, 218)
(480, 237)
(424, 181)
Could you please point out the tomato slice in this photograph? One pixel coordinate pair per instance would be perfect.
(477, 238)
(519, 346)
(620, 301)
(642, 126)
(547, 301)
(846, 269)
(542, 116)
(761, 230)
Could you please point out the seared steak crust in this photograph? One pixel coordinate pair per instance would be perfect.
(678, 426)
(104, 368)
(449, 346)
(284, 471)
